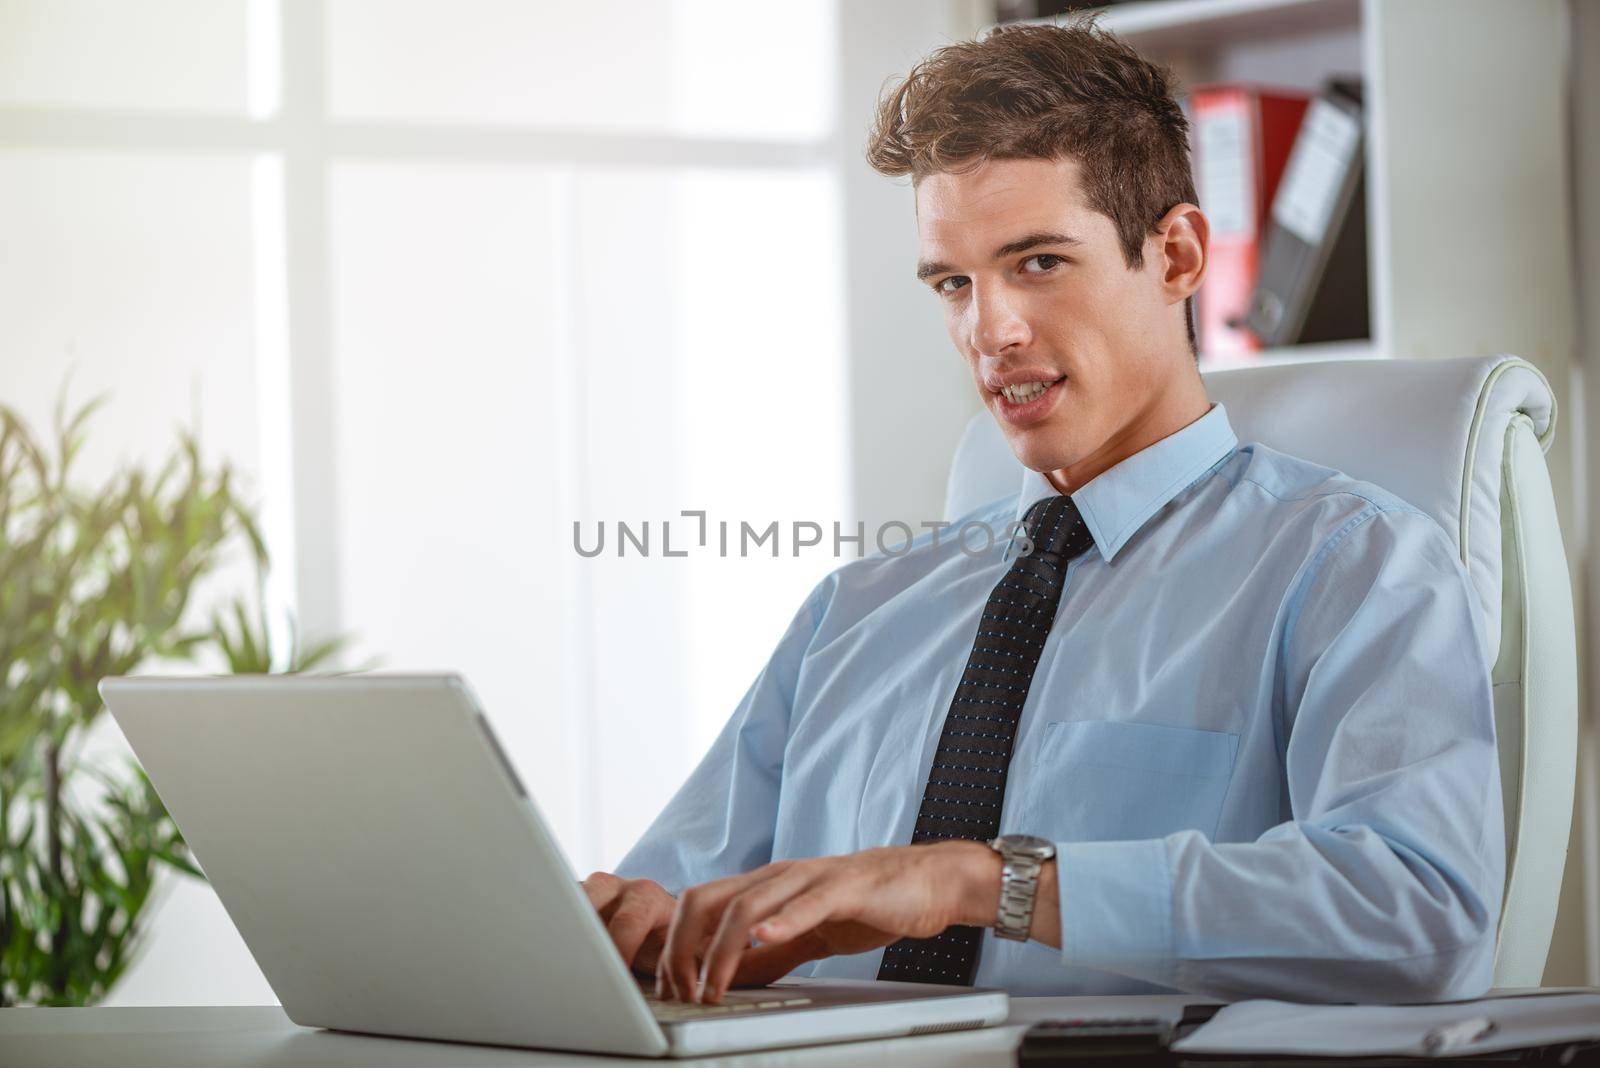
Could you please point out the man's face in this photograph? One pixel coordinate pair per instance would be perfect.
(1069, 349)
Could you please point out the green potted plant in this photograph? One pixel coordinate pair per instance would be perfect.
(97, 582)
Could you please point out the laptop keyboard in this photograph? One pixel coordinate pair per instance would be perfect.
(734, 1001)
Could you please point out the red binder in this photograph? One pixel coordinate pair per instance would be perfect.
(1242, 137)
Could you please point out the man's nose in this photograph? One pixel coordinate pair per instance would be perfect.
(997, 322)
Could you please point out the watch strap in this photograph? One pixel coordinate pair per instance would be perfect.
(1019, 889)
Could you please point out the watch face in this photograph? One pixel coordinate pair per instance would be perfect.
(1026, 844)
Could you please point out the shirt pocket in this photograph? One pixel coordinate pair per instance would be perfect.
(1099, 781)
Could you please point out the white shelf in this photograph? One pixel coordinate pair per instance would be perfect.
(1316, 352)
(1203, 24)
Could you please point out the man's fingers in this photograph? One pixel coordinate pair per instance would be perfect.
(648, 958)
(693, 922)
(798, 915)
(686, 935)
(677, 948)
(635, 913)
(743, 911)
(765, 964)
(631, 923)
(602, 889)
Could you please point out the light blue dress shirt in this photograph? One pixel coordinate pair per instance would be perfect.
(1261, 734)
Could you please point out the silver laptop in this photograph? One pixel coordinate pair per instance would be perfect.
(384, 864)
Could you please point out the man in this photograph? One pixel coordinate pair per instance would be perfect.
(1242, 699)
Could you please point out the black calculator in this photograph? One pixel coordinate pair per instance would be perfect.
(1127, 1040)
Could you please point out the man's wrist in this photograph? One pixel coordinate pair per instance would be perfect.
(978, 871)
(979, 878)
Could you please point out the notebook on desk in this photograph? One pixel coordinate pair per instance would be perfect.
(1527, 1021)
(390, 874)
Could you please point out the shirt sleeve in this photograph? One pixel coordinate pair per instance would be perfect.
(722, 819)
(1385, 882)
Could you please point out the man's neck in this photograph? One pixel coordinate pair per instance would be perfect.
(1164, 416)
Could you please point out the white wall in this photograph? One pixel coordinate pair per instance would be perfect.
(1575, 949)
(911, 394)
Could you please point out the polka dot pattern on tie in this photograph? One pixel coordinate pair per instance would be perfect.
(966, 784)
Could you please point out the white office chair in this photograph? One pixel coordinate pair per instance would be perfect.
(1464, 441)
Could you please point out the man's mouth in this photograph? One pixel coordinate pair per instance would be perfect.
(1023, 393)
(1027, 402)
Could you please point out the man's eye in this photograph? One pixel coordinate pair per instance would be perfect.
(1045, 260)
(944, 288)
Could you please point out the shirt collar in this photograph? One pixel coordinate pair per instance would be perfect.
(1119, 501)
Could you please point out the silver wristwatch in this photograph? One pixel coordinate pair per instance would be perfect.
(1021, 855)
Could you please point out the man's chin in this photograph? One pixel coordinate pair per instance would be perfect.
(1038, 449)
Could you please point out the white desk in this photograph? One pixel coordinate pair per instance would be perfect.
(264, 1038)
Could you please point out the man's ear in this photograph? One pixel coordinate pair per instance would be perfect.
(1181, 240)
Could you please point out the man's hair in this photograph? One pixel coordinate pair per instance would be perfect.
(1047, 92)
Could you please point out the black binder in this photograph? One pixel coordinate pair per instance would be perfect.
(1312, 284)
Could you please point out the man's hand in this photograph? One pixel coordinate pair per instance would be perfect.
(636, 913)
(805, 909)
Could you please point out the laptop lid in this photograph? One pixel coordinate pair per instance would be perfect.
(381, 860)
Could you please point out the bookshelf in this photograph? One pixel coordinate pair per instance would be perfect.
(1466, 156)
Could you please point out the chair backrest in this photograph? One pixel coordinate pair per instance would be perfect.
(1464, 441)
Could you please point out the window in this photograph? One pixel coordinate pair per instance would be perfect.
(444, 279)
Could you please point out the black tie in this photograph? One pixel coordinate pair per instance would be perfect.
(967, 782)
